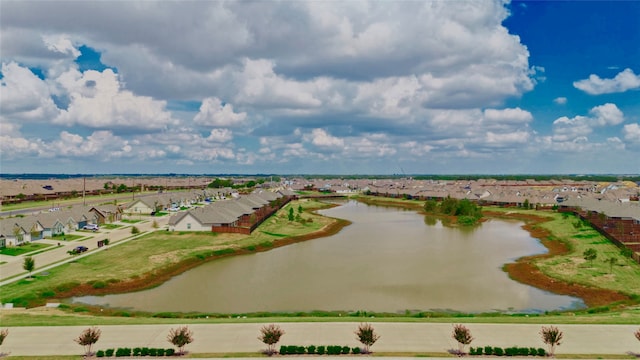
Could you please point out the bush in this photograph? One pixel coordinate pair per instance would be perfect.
(99, 285)
(100, 353)
(488, 350)
(320, 350)
(346, 349)
(498, 351)
(311, 349)
(169, 352)
(122, 352)
(355, 350)
(109, 352)
(542, 352)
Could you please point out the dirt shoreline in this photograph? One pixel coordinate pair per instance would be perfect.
(523, 270)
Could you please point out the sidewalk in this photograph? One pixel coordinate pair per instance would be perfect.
(595, 340)
(53, 257)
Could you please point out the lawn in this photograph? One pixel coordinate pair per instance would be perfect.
(23, 249)
(623, 276)
(66, 237)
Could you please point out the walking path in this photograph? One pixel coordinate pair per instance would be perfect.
(594, 340)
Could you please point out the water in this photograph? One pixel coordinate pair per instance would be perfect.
(387, 260)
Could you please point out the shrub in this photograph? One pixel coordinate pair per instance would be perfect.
(533, 352)
(144, 351)
(135, 230)
(137, 351)
(169, 352)
(488, 350)
(160, 352)
(497, 351)
(346, 350)
(551, 336)
(320, 350)
(109, 352)
(367, 336)
(99, 285)
(122, 352)
(100, 353)
(355, 350)
(334, 350)
(541, 352)
(462, 335)
(180, 337)
(3, 335)
(311, 349)
(87, 338)
(270, 335)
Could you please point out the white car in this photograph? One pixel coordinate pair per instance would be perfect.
(93, 227)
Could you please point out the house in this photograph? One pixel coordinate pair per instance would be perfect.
(12, 234)
(51, 224)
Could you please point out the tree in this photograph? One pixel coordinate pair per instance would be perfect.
(154, 224)
(180, 337)
(525, 204)
(590, 254)
(135, 230)
(612, 261)
(637, 334)
(29, 264)
(87, 338)
(463, 336)
(431, 206)
(270, 335)
(291, 217)
(367, 336)
(551, 336)
(5, 332)
(299, 209)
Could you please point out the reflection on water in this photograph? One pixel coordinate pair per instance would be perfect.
(387, 260)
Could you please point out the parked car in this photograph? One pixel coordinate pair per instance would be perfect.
(79, 249)
(93, 227)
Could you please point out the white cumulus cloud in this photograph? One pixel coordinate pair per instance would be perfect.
(623, 81)
(213, 112)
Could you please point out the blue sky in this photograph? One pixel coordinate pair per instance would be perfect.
(357, 87)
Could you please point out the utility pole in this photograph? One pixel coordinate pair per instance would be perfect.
(84, 188)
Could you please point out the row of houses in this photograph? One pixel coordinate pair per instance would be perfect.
(15, 231)
(175, 200)
(240, 214)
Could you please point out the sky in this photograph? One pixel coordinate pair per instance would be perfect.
(320, 87)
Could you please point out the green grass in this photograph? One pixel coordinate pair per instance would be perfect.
(66, 237)
(572, 267)
(20, 250)
(129, 221)
(110, 226)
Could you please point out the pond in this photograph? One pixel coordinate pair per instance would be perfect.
(388, 260)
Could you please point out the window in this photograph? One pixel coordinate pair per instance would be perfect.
(188, 225)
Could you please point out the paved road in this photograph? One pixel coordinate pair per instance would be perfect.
(595, 340)
(54, 257)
